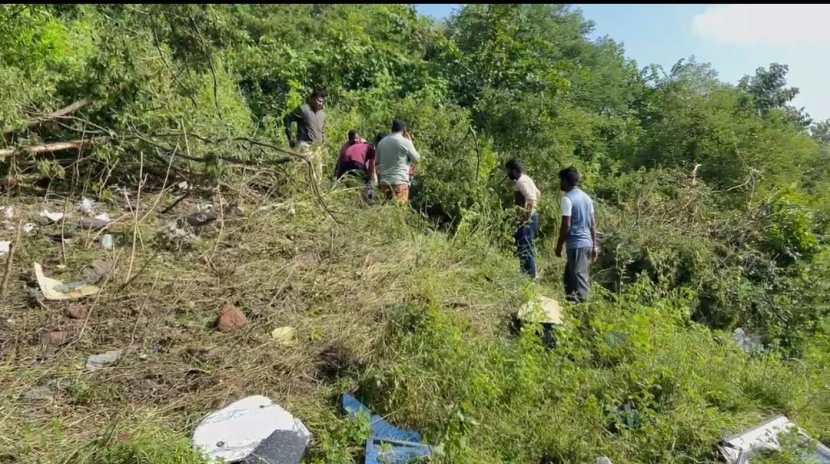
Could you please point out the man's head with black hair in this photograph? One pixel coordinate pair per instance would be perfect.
(352, 136)
(514, 169)
(569, 178)
(317, 99)
(398, 126)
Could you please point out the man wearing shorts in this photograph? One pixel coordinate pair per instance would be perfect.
(395, 156)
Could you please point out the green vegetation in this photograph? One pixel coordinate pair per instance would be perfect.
(713, 202)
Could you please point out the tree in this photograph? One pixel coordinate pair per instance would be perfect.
(768, 91)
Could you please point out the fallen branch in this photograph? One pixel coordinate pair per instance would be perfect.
(50, 116)
(50, 147)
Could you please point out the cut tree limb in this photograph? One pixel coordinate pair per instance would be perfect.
(48, 148)
(50, 116)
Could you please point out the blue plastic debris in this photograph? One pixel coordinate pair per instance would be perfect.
(387, 444)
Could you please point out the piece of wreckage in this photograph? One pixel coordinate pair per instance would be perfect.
(253, 430)
(54, 289)
(544, 311)
(387, 444)
(764, 438)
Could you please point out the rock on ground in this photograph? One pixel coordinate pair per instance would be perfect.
(231, 319)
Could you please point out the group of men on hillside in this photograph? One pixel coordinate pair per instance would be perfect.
(389, 163)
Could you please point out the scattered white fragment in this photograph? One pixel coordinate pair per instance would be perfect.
(542, 310)
(54, 217)
(748, 342)
(107, 242)
(8, 212)
(604, 460)
(28, 227)
(5, 245)
(255, 427)
(103, 217)
(54, 289)
(740, 448)
(284, 335)
(87, 206)
(98, 361)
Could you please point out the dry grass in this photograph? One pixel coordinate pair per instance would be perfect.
(284, 264)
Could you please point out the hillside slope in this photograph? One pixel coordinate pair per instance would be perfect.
(416, 321)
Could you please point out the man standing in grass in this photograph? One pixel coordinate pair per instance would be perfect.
(396, 154)
(526, 198)
(579, 232)
(311, 126)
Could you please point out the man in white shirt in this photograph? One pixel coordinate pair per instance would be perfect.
(526, 197)
(578, 234)
(395, 157)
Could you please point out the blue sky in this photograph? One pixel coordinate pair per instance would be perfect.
(735, 39)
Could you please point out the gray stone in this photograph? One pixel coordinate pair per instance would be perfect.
(38, 394)
(99, 361)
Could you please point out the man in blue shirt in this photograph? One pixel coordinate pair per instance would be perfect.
(579, 232)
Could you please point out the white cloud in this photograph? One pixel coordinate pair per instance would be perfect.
(774, 25)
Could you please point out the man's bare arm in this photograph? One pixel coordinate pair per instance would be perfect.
(595, 249)
(289, 121)
(530, 206)
(564, 229)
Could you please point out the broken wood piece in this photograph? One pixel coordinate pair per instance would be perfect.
(65, 111)
(49, 147)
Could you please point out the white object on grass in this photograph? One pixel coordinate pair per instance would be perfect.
(542, 310)
(54, 289)
(239, 429)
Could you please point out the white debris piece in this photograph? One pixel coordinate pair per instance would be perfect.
(542, 310)
(740, 448)
(87, 206)
(107, 241)
(8, 212)
(28, 227)
(98, 361)
(284, 335)
(5, 245)
(749, 343)
(54, 289)
(252, 427)
(54, 217)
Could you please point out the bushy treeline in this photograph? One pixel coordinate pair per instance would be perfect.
(717, 191)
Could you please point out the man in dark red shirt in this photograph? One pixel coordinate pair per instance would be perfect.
(356, 155)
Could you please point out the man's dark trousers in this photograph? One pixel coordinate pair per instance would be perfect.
(525, 235)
